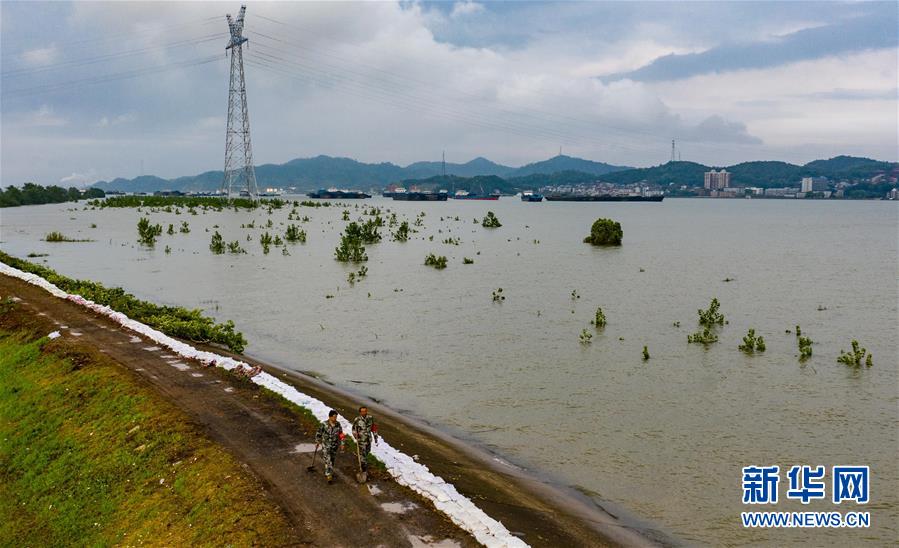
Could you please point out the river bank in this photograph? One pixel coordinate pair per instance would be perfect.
(92, 456)
(535, 512)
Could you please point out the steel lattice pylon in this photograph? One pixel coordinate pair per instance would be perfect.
(239, 173)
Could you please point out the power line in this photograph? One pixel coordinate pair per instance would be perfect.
(110, 56)
(124, 75)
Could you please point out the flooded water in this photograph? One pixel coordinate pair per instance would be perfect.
(666, 438)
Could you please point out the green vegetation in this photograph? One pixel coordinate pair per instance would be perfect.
(402, 232)
(599, 319)
(34, 255)
(645, 353)
(466, 260)
(586, 337)
(171, 230)
(185, 228)
(437, 262)
(32, 194)
(855, 357)
(265, 239)
(498, 295)
(798, 331)
(217, 244)
(234, 247)
(351, 248)
(711, 316)
(190, 202)
(148, 233)
(295, 234)
(491, 221)
(56, 236)
(751, 343)
(805, 347)
(706, 336)
(171, 320)
(93, 457)
(574, 295)
(605, 232)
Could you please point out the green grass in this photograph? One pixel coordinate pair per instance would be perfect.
(91, 457)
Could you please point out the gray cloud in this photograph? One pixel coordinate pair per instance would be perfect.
(873, 31)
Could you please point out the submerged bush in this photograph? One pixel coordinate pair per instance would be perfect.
(706, 336)
(605, 232)
(751, 343)
(217, 244)
(402, 232)
(437, 262)
(711, 316)
(148, 233)
(855, 356)
(599, 319)
(295, 234)
(350, 248)
(805, 347)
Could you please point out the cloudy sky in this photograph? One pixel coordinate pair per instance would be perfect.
(94, 91)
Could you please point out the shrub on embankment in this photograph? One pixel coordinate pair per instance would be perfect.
(175, 321)
(93, 457)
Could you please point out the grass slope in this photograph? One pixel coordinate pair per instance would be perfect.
(91, 457)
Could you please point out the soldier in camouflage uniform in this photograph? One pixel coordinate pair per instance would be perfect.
(364, 430)
(330, 437)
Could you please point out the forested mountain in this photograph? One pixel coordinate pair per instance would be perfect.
(325, 171)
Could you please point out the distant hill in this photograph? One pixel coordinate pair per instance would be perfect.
(761, 174)
(566, 163)
(323, 171)
(478, 166)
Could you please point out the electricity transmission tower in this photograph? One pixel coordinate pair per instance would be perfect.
(239, 173)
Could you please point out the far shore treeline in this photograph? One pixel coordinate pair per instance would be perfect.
(32, 194)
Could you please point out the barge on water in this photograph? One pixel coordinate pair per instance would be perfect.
(602, 198)
(528, 196)
(335, 194)
(419, 196)
(463, 195)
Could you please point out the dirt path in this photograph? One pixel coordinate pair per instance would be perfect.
(266, 437)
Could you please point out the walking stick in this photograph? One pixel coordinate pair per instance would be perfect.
(311, 467)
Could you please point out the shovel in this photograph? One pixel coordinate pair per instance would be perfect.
(361, 475)
(311, 467)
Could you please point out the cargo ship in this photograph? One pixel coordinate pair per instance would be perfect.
(463, 195)
(392, 193)
(528, 196)
(335, 194)
(602, 198)
(419, 196)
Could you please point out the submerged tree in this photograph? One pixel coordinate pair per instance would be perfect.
(217, 244)
(751, 343)
(805, 347)
(586, 337)
(491, 221)
(148, 233)
(856, 356)
(605, 232)
(711, 316)
(350, 248)
(599, 319)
